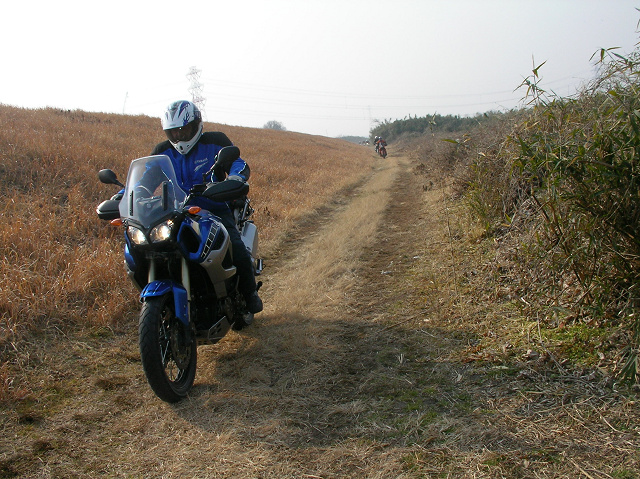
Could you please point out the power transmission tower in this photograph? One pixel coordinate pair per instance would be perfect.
(197, 97)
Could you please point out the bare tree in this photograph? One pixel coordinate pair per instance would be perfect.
(274, 125)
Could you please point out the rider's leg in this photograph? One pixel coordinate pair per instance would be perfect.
(242, 262)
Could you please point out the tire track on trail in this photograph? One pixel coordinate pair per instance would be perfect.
(286, 390)
(322, 269)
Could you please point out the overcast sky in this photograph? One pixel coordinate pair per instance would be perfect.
(326, 67)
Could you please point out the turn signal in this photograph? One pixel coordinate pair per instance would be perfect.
(116, 222)
(194, 210)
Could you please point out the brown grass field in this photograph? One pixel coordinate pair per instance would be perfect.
(391, 345)
(51, 242)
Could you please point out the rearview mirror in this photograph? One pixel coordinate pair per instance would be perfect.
(109, 177)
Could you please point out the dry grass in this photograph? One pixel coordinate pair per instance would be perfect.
(52, 244)
(349, 228)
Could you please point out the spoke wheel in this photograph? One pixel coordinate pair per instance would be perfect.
(168, 353)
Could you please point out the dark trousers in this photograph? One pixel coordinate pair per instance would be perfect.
(241, 256)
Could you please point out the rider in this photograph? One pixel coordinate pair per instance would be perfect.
(193, 153)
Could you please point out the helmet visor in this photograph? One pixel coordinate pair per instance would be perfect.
(183, 133)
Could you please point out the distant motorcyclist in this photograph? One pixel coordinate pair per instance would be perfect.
(193, 153)
(379, 141)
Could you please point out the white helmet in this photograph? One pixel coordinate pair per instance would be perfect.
(182, 122)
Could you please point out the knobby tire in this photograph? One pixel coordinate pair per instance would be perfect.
(168, 359)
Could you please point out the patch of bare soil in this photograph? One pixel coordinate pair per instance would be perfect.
(364, 364)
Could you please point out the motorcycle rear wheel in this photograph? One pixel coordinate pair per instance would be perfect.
(168, 353)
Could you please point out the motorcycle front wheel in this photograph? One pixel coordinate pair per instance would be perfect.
(167, 350)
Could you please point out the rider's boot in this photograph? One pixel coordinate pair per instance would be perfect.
(254, 303)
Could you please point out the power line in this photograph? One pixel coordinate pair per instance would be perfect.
(340, 95)
(366, 110)
(363, 106)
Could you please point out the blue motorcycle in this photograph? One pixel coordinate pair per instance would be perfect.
(180, 258)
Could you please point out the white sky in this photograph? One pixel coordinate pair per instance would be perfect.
(326, 67)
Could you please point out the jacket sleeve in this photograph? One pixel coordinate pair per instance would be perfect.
(240, 168)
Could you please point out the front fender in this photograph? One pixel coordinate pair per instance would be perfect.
(180, 298)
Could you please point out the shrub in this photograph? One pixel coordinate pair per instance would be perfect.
(571, 167)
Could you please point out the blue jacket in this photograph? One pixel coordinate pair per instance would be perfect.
(189, 168)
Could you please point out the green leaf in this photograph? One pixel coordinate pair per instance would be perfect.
(535, 70)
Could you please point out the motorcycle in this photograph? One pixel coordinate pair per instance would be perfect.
(180, 259)
(382, 150)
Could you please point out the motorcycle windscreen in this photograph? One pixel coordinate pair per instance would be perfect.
(151, 192)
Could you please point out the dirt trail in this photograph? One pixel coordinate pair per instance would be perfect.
(350, 372)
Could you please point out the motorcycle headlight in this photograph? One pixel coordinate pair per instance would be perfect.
(162, 232)
(136, 235)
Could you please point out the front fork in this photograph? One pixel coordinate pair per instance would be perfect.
(181, 291)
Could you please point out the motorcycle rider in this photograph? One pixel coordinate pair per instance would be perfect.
(193, 153)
